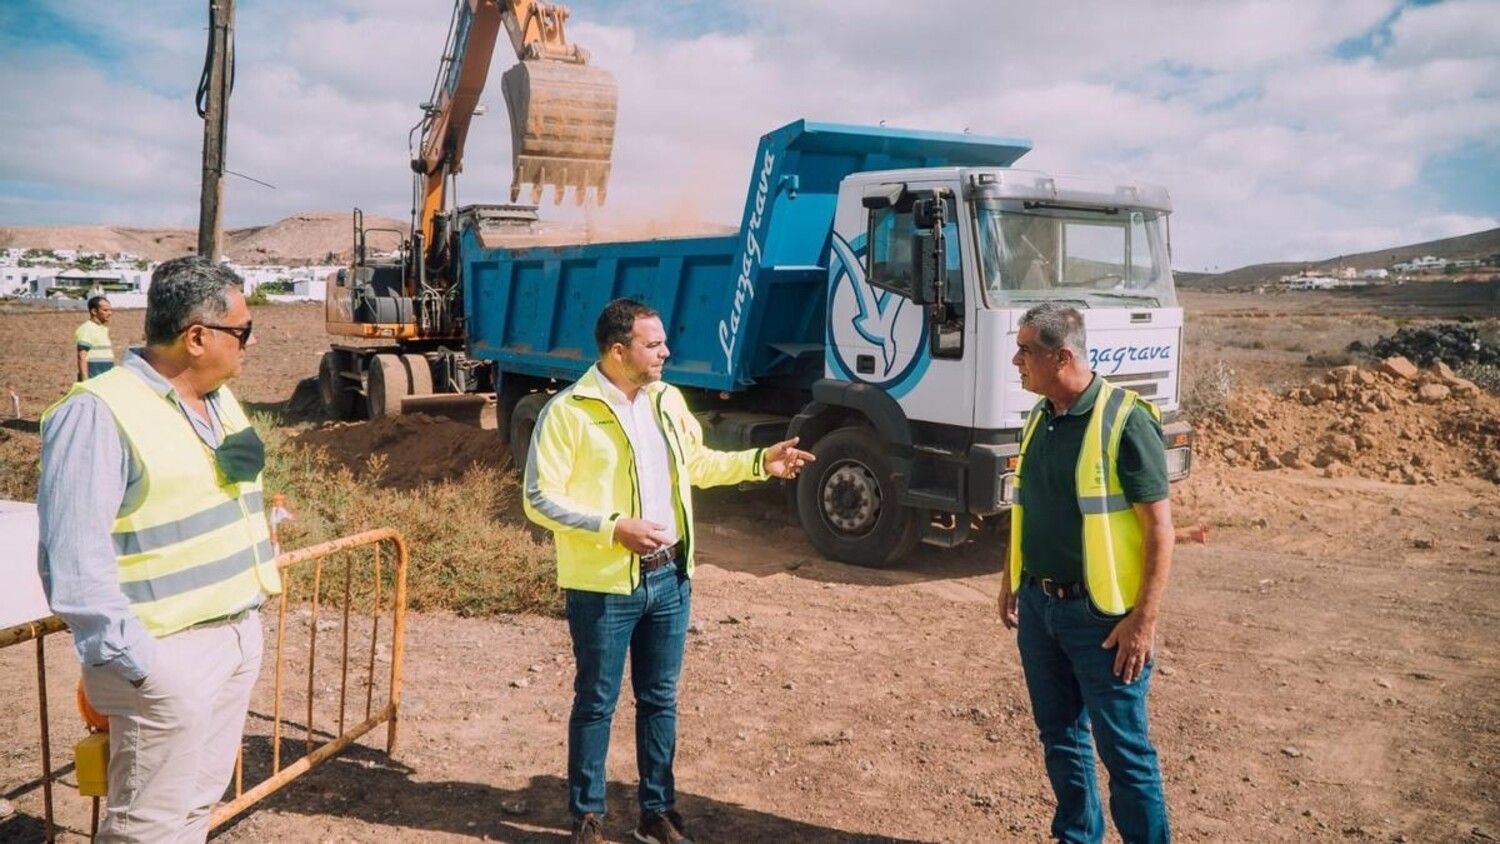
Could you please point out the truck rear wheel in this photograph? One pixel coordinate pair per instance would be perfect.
(847, 502)
(522, 424)
(333, 390)
(388, 385)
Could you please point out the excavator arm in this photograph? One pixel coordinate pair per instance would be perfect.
(562, 109)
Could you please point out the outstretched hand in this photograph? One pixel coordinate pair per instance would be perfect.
(784, 460)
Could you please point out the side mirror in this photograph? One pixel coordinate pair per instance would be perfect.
(927, 274)
(929, 251)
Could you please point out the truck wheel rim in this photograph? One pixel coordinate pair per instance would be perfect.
(851, 498)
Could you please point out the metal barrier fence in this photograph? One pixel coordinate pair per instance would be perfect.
(280, 775)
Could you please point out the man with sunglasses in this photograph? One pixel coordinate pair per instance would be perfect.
(156, 552)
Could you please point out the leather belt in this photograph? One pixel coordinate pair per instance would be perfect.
(663, 556)
(1060, 591)
(232, 618)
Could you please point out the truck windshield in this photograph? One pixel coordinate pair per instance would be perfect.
(1104, 258)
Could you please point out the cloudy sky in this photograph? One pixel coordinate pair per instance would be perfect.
(1284, 130)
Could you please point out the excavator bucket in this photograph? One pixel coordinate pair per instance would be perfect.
(562, 118)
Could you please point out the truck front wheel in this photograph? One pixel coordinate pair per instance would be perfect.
(847, 502)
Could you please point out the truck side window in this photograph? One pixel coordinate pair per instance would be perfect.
(890, 250)
(890, 253)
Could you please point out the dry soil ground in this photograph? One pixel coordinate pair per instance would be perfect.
(1327, 661)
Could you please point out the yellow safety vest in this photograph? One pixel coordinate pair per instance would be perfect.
(1114, 551)
(197, 547)
(581, 479)
(95, 338)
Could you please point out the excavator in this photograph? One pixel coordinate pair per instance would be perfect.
(393, 315)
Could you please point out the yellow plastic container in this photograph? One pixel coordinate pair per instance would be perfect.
(91, 765)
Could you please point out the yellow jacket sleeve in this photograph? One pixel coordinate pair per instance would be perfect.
(710, 467)
(549, 463)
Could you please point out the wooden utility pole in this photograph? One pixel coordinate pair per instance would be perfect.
(215, 124)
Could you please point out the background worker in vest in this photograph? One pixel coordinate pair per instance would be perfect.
(609, 472)
(155, 551)
(95, 355)
(1090, 548)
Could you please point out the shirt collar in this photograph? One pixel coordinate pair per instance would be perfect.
(615, 395)
(612, 394)
(1085, 402)
(137, 363)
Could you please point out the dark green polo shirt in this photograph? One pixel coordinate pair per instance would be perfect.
(1052, 541)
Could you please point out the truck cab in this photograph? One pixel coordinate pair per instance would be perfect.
(930, 272)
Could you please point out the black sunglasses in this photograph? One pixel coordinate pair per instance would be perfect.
(238, 332)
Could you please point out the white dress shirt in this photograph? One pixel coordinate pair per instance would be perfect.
(648, 441)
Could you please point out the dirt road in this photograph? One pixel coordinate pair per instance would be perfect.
(1327, 670)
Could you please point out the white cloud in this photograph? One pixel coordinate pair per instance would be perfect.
(1272, 147)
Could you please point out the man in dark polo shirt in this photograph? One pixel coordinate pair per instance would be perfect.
(1091, 547)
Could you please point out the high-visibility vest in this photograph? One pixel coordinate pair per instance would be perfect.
(1114, 551)
(197, 546)
(95, 338)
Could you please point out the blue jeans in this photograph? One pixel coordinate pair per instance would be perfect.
(651, 623)
(1073, 689)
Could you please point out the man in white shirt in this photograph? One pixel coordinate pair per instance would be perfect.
(609, 472)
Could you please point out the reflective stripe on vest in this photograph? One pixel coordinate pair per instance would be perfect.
(195, 547)
(1114, 553)
(96, 338)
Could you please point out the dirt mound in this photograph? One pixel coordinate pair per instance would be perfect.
(1393, 422)
(408, 450)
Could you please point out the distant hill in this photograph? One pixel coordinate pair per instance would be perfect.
(298, 239)
(1478, 245)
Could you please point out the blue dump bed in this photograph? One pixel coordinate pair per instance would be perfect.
(737, 308)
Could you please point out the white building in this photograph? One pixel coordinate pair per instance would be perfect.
(1375, 275)
(1426, 263)
(135, 281)
(16, 281)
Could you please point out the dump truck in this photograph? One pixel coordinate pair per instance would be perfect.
(868, 304)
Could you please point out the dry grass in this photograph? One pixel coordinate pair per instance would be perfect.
(1207, 397)
(469, 553)
(19, 470)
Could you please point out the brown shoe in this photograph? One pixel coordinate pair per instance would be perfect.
(588, 830)
(662, 828)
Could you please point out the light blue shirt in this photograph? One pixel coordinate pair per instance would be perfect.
(90, 474)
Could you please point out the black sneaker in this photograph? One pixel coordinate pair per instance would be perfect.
(662, 828)
(588, 830)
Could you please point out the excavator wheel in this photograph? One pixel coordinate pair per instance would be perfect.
(335, 393)
(562, 118)
(420, 373)
(388, 385)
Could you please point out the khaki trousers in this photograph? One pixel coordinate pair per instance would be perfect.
(173, 740)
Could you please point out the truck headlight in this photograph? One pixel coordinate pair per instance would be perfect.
(1179, 461)
(1008, 488)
